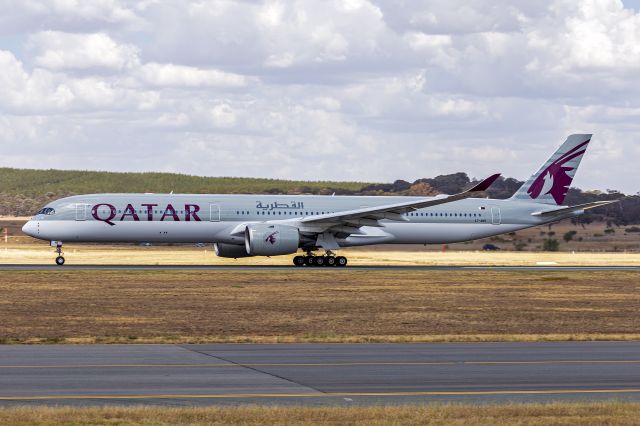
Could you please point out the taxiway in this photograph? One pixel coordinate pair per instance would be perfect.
(318, 373)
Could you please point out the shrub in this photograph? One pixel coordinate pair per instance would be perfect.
(519, 245)
(569, 236)
(550, 244)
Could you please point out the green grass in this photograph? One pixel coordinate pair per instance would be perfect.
(24, 191)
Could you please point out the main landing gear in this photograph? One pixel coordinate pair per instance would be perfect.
(327, 260)
(60, 258)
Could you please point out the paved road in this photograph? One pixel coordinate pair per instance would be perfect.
(318, 373)
(53, 267)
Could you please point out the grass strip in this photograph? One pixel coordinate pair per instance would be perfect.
(614, 412)
(316, 306)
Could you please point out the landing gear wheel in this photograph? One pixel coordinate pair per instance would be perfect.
(60, 258)
(330, 261)
(341, 261)
(310, 260)
(320, 261)
(299, 261)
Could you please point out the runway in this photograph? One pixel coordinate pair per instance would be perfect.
(544, 268)
(318, 374)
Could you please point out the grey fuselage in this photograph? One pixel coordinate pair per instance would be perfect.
(201, 218)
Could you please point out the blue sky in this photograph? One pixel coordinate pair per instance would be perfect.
(361, 90)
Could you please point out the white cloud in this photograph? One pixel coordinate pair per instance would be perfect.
(70, 15)
(388, 89)
(44, 92)
(184, 76)
(59, 51)
(223, 116)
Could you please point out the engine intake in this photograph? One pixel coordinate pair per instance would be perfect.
(271, 240)
(230, 250)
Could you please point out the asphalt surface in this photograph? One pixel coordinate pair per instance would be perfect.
(318, 374)
(53, 267)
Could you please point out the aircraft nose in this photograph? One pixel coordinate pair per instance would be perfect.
(30, 228)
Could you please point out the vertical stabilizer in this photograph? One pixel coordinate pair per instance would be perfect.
(551, 183)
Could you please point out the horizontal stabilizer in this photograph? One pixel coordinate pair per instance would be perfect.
(578, 207)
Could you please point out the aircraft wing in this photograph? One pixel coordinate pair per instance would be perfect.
(578, 207)
(369, 216)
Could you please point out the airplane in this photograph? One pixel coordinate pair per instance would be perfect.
(271, 225)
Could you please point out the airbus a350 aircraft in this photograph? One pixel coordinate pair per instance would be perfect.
(271, 225)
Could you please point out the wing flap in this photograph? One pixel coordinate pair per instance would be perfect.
(396, 211)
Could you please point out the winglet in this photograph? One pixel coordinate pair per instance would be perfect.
(485, 184)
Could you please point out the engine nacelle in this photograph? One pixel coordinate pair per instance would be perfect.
(230, 250)
(271, 240)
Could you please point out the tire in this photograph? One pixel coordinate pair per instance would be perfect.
(298, 261)
(310, 260)
(59, 260)
(330, 261)
(341, 261)
(320, 261)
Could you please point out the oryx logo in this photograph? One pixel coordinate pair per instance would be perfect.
(555, 180)
(271, 238)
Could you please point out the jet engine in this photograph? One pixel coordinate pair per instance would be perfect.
(271, 240)
(230, 250)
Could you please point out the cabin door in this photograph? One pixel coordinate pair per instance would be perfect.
(496, 218)
(81, 212)
(214, 212)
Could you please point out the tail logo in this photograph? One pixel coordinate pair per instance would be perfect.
(555, 180)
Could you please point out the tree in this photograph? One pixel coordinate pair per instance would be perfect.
(569, 236)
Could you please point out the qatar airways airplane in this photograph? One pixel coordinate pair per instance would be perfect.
(271, 225)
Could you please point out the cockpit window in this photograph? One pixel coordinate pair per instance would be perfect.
(47, 211)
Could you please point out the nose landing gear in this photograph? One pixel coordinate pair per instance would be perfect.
(60, 257)
(327, 260)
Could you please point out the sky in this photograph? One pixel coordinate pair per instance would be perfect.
(357, 90)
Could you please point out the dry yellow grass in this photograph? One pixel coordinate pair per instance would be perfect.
(316, 306)
(618, 413)
(39, 253)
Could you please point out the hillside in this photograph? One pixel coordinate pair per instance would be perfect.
(23, 191)
(36, 182)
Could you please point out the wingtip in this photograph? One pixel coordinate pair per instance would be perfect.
(485, 184)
